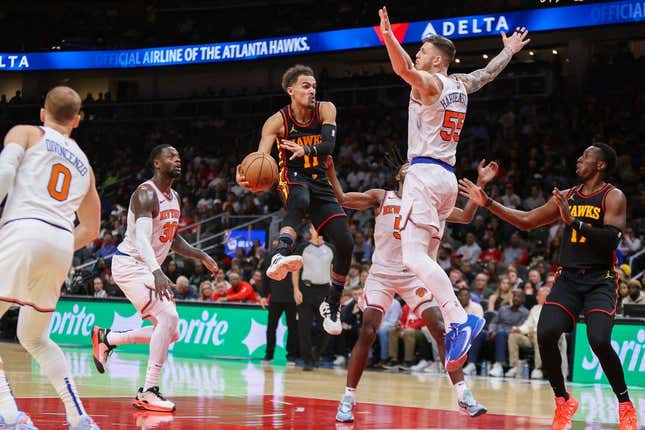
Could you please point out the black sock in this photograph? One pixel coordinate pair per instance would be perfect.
(623, 397)
(336, 289)
(285, 244)
(560, 393)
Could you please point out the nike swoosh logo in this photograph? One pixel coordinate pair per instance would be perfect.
(161, 201)
(469, 331)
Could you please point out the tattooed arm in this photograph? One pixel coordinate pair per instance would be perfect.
(512, 45)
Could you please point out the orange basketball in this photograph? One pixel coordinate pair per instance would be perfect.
(261, 170)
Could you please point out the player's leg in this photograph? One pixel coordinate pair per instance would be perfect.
(10, 416)
(376, 298)
(293, 348)
(297, 205)
(330, 220)
(33, 334)
(275, 312)
(433, 319)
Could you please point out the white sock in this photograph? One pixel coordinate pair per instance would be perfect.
(34, 336)
(453, 311)
(141, 335)
(460, 388)
(8, 406)
(351, 392)
(152, 375)
(160, 340)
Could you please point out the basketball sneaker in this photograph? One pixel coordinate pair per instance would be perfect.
(101, 349)
(85, 423)
(459, 339)
(627, 416)
(281, 265)
(330, 311)
(23, 422)
(152, 400)
(564, 412)
(345, 412)
(469, 406)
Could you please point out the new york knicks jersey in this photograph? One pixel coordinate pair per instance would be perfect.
(433, 131)
(164, 226)
(388, 254)
(51, 182)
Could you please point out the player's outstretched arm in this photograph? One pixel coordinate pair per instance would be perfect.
(183, 248)
(485, 174)
(610, 234)
(524, 220)
(89, 217)
(474, 81)
(357, 201)
(402, 64)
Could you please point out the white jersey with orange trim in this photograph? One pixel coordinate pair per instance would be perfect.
(164, 226)
(51, 182)
(433, 130)
(387, 258)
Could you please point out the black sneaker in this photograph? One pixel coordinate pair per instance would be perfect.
(101, 349)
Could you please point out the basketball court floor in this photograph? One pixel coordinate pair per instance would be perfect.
(230, 394)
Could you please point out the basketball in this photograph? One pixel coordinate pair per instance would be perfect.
(261, 170)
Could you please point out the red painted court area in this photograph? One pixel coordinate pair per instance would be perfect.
(267, 412)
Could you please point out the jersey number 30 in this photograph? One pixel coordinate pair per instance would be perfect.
(59, 181)
(452, 124)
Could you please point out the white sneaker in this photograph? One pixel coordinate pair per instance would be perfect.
(433, 368)
(537, 374)
(470, 369)
(281, 265)
(513, 372)
(152, 400)
(497, 370)
(330, 324)
(339, 361)
(85, 423)
(420, 366)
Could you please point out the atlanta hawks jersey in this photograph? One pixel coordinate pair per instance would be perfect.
(164, 226)
(51, 182)
(433, 131)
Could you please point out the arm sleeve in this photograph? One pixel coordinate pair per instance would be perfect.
(607, 236)
(10, 159)
(328, 132)
(144, 232)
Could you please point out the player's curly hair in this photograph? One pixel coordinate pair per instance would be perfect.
(292, 74)
(443, 44)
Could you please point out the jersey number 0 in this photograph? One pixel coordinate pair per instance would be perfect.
(60, 180)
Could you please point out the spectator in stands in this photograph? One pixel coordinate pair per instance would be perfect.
(480, 287)
(623, 291)
(535, 278)
(474, 308)
(636, 293)
(529, 294)
(514, 277)
(99, 291)
(351, 318)
(107, 247)
(630, 243)
(515, 253)
(200, 275)
(455, 276)
(501, 327)
(536, 198)
(470, 250)
(510, 199)
(183, 290)
(354, 276)
(362, 248)
(240, 291)
(171, 271)
(492, 252)
(503, 296)
(525, 336)
(256, 281)
(206, 291)
(443, 256)
(549, 281)
(390, 320)
(408, 329)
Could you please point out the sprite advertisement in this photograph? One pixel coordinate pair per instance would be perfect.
(204, 330)
(628, 340)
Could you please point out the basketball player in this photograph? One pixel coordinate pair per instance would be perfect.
(153, 217)
(388, 276)
(306, 128)
(49, 181)
(595, 215)
(437, 110)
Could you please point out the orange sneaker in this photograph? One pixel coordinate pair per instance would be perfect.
(564, 412)
(627, 416)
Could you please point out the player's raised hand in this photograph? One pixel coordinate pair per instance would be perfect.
(163, 286)
(385, 20)
(296, 150)
(486, 172)
(517, 40)
(563, 206)
(472, 192)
